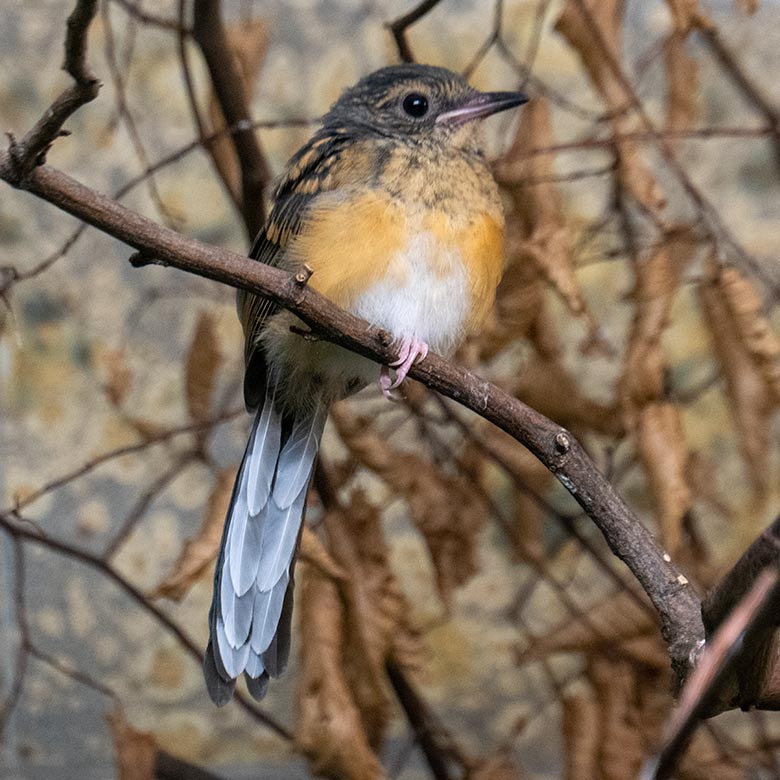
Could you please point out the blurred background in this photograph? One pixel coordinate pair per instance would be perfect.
(639, 309)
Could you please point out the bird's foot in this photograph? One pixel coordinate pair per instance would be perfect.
(412, 351)
(385, 383)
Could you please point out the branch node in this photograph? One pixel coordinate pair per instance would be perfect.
(562, 443)
(384, 337)
(303, 276)
(141, 259)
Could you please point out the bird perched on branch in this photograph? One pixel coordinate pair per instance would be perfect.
(392, 206)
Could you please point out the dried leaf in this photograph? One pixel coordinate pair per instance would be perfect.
(550, 389)
(538, 210)
(687, 15)
(313, 552)
(520, 311)
(118, 375)
(203, 361)
(136, 751)
(747, 310)
(621, 750)
(445, 508)
(657, 280)
(663, 451)
(581, 737)
(352, 627)
(200, 551)
(377, 613)
(746, 388)
(661, 441)
(248, 43)
(634, 174)
(329, 727)
(682, 84)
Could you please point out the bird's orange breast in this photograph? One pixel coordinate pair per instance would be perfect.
(353, 243)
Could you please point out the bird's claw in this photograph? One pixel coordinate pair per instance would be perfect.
(412, 351)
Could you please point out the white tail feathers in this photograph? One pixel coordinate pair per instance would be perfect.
(251, 611)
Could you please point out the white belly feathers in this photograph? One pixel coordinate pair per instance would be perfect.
(424, 294)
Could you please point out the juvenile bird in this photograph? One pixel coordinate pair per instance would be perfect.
(393, 207)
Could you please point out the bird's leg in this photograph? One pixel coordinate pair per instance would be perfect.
(412, 351)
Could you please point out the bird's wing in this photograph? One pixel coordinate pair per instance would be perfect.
(312, 171)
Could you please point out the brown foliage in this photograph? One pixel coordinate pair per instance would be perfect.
(753, 328)
(656, 420)
(682, 75)
(203, 361)
(538, 230)
(353, 611)
(598, 52)
(444, 507)
(351, 627)
(136, 751)
(746, 387)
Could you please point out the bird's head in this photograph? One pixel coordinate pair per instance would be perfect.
(418, 104)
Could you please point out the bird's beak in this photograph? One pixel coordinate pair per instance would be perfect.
(481, 105)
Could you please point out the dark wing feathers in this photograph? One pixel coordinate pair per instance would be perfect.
(309, 173)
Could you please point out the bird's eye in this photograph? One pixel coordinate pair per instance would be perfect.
(415, 105)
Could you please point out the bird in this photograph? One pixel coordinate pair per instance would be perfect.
(392, 209)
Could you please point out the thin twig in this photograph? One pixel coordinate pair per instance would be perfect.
(24, 155)
(14, 527)
(399, 26)
(119, 452)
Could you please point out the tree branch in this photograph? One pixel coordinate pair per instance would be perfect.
(399, 26)
(670, 592)
(24, 155)
(209, 32)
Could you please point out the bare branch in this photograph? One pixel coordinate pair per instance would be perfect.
(745, 85)
(24, 155)
(19, 532)
(667, 588)
(399, 26)
(705, 683)
(209, 32)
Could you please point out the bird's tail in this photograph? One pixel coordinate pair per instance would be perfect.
(251, 611)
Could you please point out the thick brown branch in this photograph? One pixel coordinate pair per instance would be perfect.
(209, 32)
(668, 589)
(756, 674)
(730, 647)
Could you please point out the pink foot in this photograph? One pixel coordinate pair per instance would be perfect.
(385, 383)
(412, 351)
